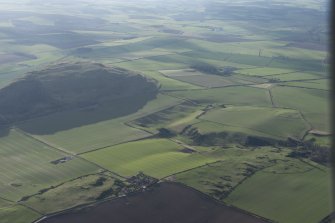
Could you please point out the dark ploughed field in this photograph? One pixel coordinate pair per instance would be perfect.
(166, 203)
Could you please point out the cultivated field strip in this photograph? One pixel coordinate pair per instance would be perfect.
(306, 193)
(156, 157)
(26, 166)
(280, 123)
(312, 103)
(262, 76)
(238, 95)
(11, 212)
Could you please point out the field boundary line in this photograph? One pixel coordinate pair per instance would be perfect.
(183, 99)
(284, 85)
(308, 163)
(68, 153)
(45, 190)
(112, 145)
(291, 72)
(24, 205)
(30, 208)
(45, 142)
(310, 126)
(127, 123)
(304, 80)
(85, 205)
(224, 203)
(183, 171)
(271, 98)
(246, 178)
(8, 200)
(206, 89)
(253, 81)
(196, 85)
(234, 84)
(146, 57)
(269, 135)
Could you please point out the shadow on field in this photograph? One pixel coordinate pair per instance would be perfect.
(61, 121)
(66, 96)
(4, 131)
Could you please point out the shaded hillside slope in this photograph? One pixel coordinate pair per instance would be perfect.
(65, 88)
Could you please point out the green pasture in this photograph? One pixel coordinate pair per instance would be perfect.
(323, 84)
(264, 71)
(169, 84)
(208, 81)
(206, 127)
(312, 103)
(26, 166)
(281, 123)
(238, 95)
(70, 194)
(280, 89)
(296, 76)
(149, 65)
(156, 157)
(219, 179)
(285, 197)
(10, 213)
(168, 118)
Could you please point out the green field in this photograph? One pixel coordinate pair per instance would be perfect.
(312, 103)
(281, 123)
(10, 212)
(206, 80)
(26, 166)
(178, 115)
(227, 88)
(296, 76)
(219, 179)
(156, 157)
(228, 96)
(208, 127)
(250, 60)
(211, 81)
(285, 197)
(169, 84)
(312, 84)
(265, 71)
(70, 194)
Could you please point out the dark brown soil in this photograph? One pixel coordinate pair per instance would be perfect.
(166, 203)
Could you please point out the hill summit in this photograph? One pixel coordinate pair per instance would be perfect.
(75, 86)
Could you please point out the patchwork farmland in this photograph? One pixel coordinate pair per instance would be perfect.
(105, 104)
